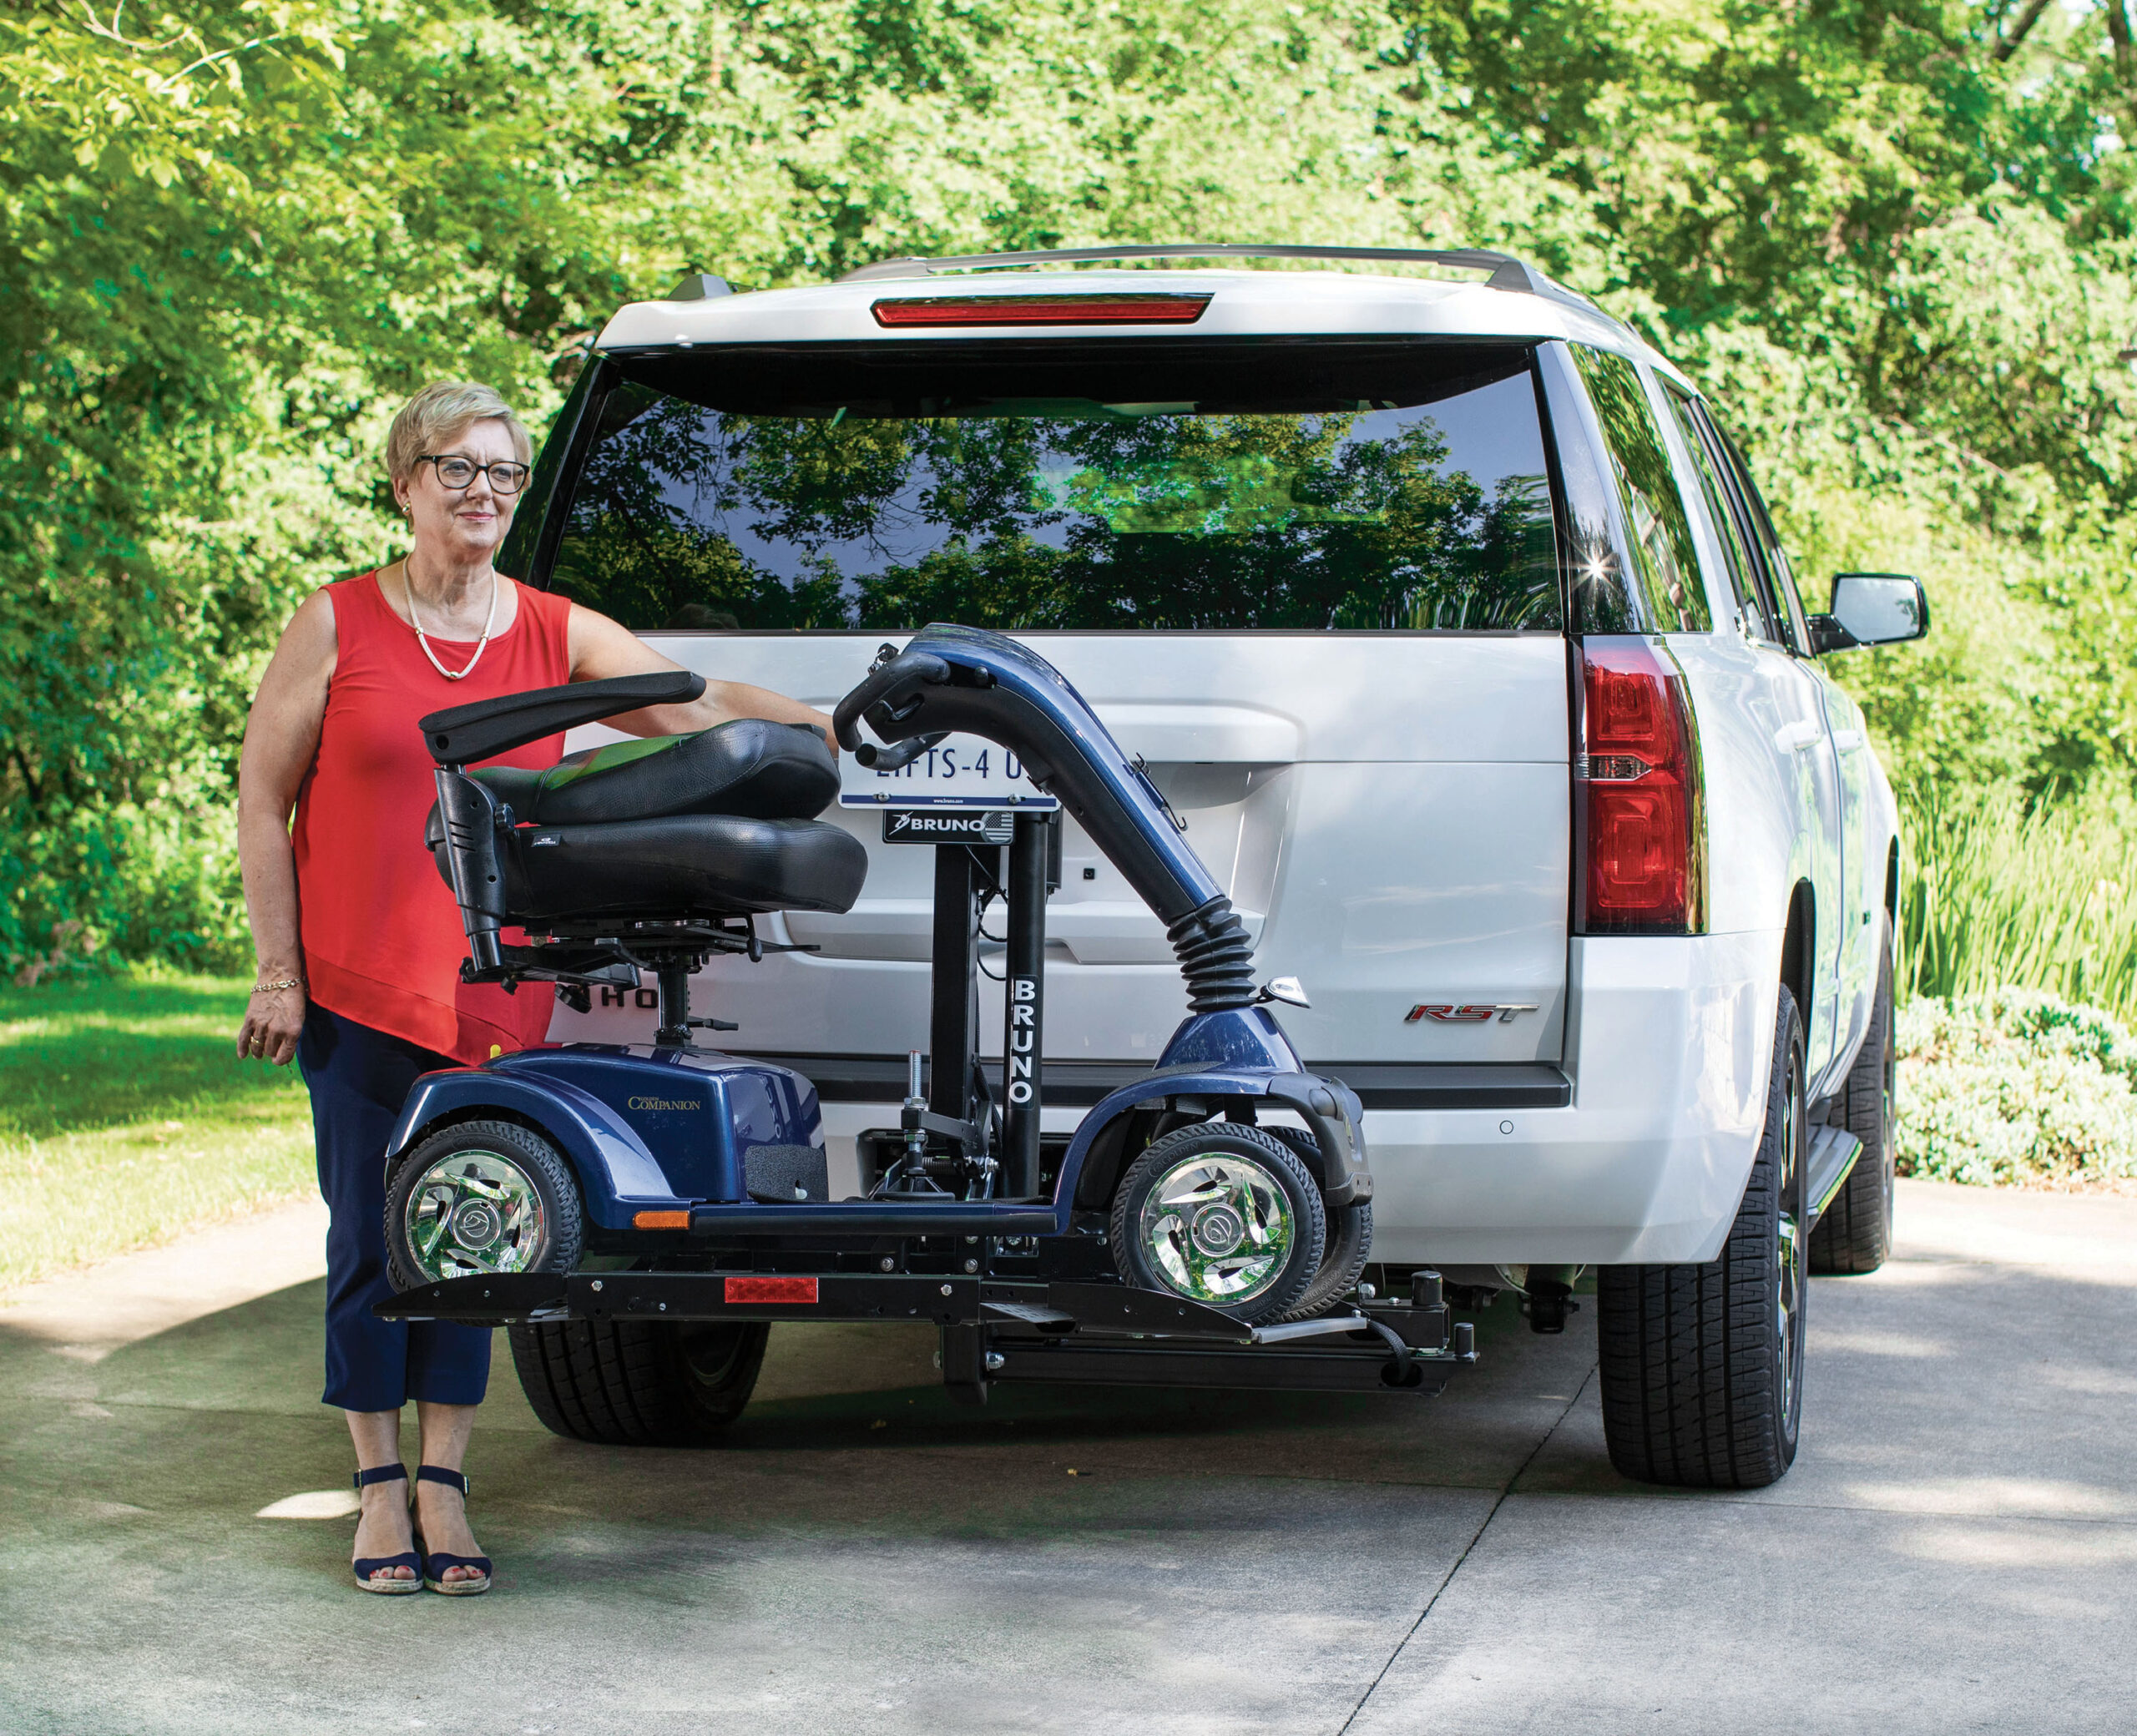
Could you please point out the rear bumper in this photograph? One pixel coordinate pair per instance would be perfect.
(1667, 1049)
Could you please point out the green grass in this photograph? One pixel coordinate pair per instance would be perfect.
(1994, 892)
(125, 1117)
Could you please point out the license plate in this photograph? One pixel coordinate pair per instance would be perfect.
(949, 825)
(961, 771)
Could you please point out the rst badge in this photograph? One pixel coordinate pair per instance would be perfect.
(1477, 1012)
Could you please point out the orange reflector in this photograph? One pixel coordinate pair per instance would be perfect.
(772, 1289)
(661, 1220)
(1042, 309)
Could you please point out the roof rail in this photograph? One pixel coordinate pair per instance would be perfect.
(1506, 271)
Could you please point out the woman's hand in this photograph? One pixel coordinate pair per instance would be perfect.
(273, 1018)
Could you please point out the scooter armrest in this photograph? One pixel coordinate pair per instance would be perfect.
(464, 733)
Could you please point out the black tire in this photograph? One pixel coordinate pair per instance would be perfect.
(1702, 1367)
(547, 1239)
(637, 1383)
(1349, 1246)
(1258, 1189)
(1856, 1232)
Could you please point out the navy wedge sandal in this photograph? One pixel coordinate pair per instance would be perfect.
(365, 1565)
(435, 1565)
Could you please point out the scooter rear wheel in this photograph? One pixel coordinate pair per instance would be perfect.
(1223, 1214)
(481, 1197)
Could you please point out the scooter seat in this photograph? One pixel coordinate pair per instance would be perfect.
(748, 766)
(679, 867)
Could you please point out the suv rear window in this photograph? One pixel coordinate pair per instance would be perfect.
(1297, 484)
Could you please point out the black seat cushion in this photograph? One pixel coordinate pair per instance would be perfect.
(684, 866)
(748, 766)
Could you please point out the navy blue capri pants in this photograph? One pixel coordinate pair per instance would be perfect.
(358, 1078)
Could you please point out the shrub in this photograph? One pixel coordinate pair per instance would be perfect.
(134, 882)
(2016, 1087)
(1995, 888)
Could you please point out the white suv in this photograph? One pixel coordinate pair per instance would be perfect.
(1455, 632)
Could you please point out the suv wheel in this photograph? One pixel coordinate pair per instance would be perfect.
(1702, 1366)
(639, 1383)
(1856, 1232)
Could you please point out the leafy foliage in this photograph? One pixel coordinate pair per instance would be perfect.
(2016, 1087)
(1996, 890)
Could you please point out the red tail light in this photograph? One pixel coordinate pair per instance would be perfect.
(1042, 309)
(1644, 825)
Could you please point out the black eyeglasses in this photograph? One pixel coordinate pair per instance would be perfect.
(458, 472)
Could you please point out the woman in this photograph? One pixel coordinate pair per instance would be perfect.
(359, 941)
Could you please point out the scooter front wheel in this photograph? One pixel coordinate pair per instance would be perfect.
(478, 1197)
(1223, 1214)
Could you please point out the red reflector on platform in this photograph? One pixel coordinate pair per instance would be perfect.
(1041, 311)
(771, 1290)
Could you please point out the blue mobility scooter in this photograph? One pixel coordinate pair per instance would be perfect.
(639, 1214)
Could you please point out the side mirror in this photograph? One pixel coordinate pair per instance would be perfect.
(1871, 608)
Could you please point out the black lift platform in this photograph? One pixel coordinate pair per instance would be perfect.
(996, 1329)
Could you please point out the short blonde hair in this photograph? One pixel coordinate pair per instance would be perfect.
(437, 413)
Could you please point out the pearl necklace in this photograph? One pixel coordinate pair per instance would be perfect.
(489, 620)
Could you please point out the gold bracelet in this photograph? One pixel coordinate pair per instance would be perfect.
(269, 988)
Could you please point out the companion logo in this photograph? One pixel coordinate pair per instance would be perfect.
(1441, 1012)
(664, 1102)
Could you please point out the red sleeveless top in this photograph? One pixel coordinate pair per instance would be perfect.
(383, 938)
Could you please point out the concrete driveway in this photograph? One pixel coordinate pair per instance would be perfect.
(1956, 1549)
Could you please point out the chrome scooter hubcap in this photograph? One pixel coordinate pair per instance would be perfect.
(1217, 1228)
(474, 1212)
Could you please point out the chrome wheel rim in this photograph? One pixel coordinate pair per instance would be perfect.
(1790, 1248)
(1217, 1228)
(474, 1212)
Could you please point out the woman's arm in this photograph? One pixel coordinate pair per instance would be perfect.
(281, 738)
(600, 649)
